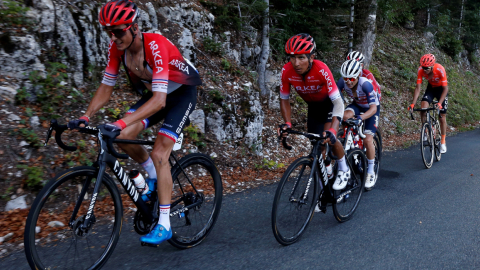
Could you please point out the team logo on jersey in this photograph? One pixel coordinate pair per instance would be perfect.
(157, 58)
(328, 79)
(180, 65)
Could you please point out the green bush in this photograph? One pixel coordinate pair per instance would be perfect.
(34, 175)
(209, 45)
(13, 12)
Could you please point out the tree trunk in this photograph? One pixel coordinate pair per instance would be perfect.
(264, 53)
(350, 32)
(461, 19)
(365, 28)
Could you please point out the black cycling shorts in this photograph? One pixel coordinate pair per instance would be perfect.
(435, 92)
(179, 105)
(319, 113)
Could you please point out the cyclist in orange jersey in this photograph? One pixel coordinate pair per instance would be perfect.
(437, 88)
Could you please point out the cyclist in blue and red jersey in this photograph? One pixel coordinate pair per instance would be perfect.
(167, 83)
(314, 82)
(358, 56)
(366, 101)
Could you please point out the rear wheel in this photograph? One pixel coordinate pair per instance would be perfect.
(196, 200)
(346, 200)
(377, 142)
(294, 201)
(54, 237)
(427, 145)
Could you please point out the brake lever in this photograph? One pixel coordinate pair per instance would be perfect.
(53, 125)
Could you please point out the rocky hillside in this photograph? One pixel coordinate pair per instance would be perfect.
(52, 55)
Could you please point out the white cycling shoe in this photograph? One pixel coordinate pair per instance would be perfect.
(443, 148)
(371, 180)
(342, 180)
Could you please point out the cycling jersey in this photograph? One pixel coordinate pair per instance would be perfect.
(162, 59)
(439, 77)
(317, 85)
(367, 74)
(366, 96)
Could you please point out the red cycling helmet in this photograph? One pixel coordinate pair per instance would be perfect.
(118, 12)
(300, 44)
(427, 60)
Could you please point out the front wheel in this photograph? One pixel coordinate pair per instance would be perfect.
(427, 145)
(377, 142)
(54, 237)
(196, 200)
(437, 139)
(346, 200)
(294, 201)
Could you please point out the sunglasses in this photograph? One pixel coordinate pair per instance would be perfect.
(349, 79)
(426, 68)
(118, 33)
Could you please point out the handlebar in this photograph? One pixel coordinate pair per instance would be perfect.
(105, 135)
(310, 136)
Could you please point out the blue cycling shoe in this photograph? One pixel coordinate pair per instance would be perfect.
(158, 235)
(152, 186)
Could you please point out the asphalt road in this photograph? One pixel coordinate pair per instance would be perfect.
(414, 218)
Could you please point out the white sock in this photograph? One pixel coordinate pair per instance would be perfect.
(164, 218)
(371, 166)
(150, 168)
(342, 165)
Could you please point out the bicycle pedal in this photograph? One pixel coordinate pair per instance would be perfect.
(148, 245)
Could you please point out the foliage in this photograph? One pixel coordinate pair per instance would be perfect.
(34, 175)
(13, 12)
(209, 45)
(216, 96)
(269, 164)
(236, 15)
(194, 134)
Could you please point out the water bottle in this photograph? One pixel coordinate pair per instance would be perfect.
(139, 182)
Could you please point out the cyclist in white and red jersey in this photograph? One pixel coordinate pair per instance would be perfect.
(314, 82)
(358, 56)
(366, 101)
(437, 88)
(167, 83)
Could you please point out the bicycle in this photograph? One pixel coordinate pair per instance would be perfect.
(80, 211)
(430, 136)
(352, 135)
(302, 188)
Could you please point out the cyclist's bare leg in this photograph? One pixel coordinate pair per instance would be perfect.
(348, 114)
(160, 154)
(135, 151)
(424, 105)
(368, 141)
(337, 148)
(443, 123)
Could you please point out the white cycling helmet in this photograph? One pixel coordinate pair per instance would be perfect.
(350, 69)
(354, 55)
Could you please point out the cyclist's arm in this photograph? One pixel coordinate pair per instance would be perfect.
(337, 112)
(286, 110)
(153, 105)
(416, 93)
(444, 94)
(100, 99)
(371, 112)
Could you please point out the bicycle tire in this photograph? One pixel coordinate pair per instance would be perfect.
(184, 234)
(427, 147)
(438, 139)
(345, 207)
(294, 183)
(377, 141)
(57, 192)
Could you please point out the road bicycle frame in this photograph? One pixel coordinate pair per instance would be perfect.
(108, 157)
